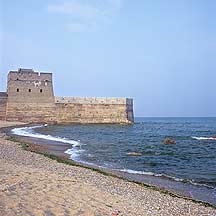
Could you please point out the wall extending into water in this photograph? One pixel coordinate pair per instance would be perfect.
(94, 110)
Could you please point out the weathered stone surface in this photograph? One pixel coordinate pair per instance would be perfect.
(92, 113)
(30, 98)
(3, 103)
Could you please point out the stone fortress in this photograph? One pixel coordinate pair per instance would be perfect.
(30, 98)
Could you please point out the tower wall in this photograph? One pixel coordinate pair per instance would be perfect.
(27, 86)
(30, 96)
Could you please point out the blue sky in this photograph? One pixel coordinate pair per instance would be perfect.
(162, 52)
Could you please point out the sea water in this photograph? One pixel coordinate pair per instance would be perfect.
(192, 159)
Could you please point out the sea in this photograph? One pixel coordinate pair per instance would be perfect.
(187, 168)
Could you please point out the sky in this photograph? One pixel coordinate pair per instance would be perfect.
(162, 53)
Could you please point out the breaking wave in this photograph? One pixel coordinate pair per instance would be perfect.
(29, 132)
(74, 152)
(135, 172)
(204, 138)
(150, 174)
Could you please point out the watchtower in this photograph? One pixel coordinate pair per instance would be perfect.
(28, 86)
(30, 96)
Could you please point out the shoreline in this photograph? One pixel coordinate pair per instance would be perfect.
(166, 184)
(105, 174)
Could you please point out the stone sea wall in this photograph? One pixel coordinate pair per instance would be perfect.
(3, 103)
(31, 112)
(94, 110)
(82, 110)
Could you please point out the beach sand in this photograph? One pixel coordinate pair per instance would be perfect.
(32, 184)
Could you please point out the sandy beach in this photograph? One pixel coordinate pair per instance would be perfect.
(32, 184)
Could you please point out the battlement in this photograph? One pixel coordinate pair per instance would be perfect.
(29, 75)
(93, 100)
(26, 85)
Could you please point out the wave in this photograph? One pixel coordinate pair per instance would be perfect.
(135, 172)
(150, 173)
(204, 138)
(29, 132)
(74, 153)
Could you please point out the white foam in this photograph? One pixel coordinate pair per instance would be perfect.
(150, 173)
(137, 172)
(166, 176)
(74, 153)
(28, 132)
(204, 138)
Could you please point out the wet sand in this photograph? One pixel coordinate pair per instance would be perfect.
(32, 184)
